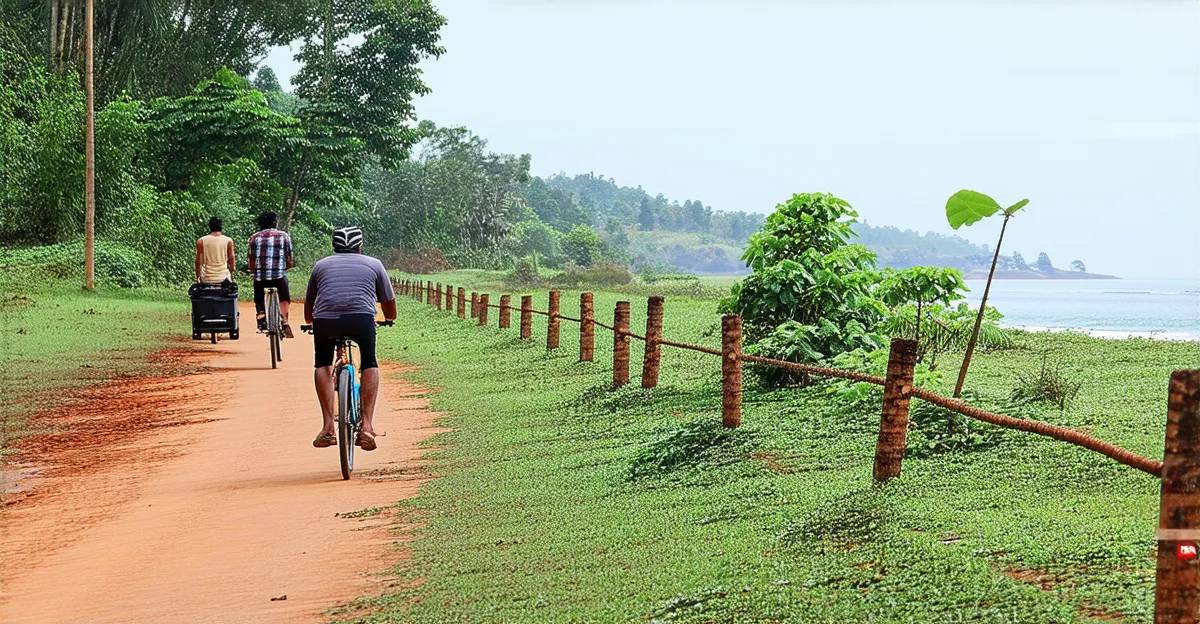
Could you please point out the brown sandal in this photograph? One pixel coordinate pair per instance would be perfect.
(365, 441)
(325, 440)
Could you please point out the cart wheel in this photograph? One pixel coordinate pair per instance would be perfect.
(197, 336)
(233, 335)
(214, 337)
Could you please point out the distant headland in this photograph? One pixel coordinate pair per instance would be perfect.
(980, 274)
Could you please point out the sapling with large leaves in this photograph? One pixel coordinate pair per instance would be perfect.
(967, 208)
(922, 286)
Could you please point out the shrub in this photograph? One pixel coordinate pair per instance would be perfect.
(796, 342)
(602, 274)
(425, 262)
(1048, 385)
(116, 265)
(582, 246)
(524, 274)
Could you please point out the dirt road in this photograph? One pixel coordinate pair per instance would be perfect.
(201, 499)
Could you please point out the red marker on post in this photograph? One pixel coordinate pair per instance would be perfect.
(1185, 551)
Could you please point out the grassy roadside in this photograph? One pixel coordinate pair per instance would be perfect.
(560, 501)
(55, 336)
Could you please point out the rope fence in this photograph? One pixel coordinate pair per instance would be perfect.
(1177, 597)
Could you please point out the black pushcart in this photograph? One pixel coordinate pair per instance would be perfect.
(214, 310)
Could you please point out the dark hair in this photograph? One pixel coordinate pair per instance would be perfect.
(214, 224)
(267, 220)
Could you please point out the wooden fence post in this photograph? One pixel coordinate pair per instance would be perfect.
(462, 302)
(621, 344)
(893, 423)
(449, 298)
(437, 296)
(429, 293)
(552, 320)
(1177, 582)
(474, 305)
(654, 330)
(421, 292)
(587, 328)
(505, 304)
(483, 309)
(526, 317)
(731, 370)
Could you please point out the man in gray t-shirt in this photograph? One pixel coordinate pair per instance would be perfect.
(340, 302)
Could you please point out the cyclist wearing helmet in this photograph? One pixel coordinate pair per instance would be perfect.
(340, 301)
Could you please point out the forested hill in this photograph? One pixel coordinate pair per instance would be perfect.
(902, 249)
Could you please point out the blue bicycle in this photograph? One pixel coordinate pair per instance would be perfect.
(349, 407)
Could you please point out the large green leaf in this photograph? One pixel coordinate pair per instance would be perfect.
(1015, 207)
(968, 207)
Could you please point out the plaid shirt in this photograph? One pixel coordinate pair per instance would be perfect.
(270, 249)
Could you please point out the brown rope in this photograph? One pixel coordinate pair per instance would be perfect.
(568, 318)
(1129, 458)
(539, 312)
(815, 370)
(689, 347)
(608, 327)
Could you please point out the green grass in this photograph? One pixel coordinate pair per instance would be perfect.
(55, 337)
(561, 501)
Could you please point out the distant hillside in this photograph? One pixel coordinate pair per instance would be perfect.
(901, 249)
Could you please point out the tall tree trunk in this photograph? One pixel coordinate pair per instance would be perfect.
(326, 80)
(63, 48)
(962, 373)
(89, 198)
(289, 207)
(51, 60)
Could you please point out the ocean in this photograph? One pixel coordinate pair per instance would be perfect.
(1167, 309)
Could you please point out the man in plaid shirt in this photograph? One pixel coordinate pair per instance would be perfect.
(270, 259)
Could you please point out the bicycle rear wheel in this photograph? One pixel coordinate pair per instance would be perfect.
(345, 420)
(274, 349)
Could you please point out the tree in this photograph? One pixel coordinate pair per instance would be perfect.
(266, 81)
(534, 238)
(359, 97)
(1018, 262)
(967, 208)
(582, 246)
(1078, 266)
(810, 294)
(1043, 263)
(645, 215)
(921, 285)
(152, 48)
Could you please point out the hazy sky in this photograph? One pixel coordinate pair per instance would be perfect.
(1090, 109)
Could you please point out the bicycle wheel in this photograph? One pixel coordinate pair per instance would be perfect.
(345, 420)
(274, 349)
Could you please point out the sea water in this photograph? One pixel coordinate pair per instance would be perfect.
(1167, 309)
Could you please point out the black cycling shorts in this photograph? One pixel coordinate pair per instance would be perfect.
(358, 327)
(260, 292)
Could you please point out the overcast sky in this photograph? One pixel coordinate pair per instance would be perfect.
(1089, 109)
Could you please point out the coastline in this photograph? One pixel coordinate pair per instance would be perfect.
(980, 274)
(1113, 334)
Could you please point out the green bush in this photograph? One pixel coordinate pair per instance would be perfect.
(582, 246)
(524, 274)
(602, 274)
(1049, 385)
(116, 264)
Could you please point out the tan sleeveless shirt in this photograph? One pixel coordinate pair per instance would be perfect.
(215, 268)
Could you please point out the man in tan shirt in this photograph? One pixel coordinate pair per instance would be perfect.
(214, 255)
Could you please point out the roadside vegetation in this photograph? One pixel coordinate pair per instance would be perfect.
(560, 501)
(56, 337)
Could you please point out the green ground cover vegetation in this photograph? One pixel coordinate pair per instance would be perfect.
(559, 500)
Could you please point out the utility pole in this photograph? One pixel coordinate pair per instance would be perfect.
(89, 192)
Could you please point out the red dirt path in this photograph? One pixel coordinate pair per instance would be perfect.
(198, 497)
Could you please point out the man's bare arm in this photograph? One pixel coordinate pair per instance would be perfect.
(199, 258)
(389, 309)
